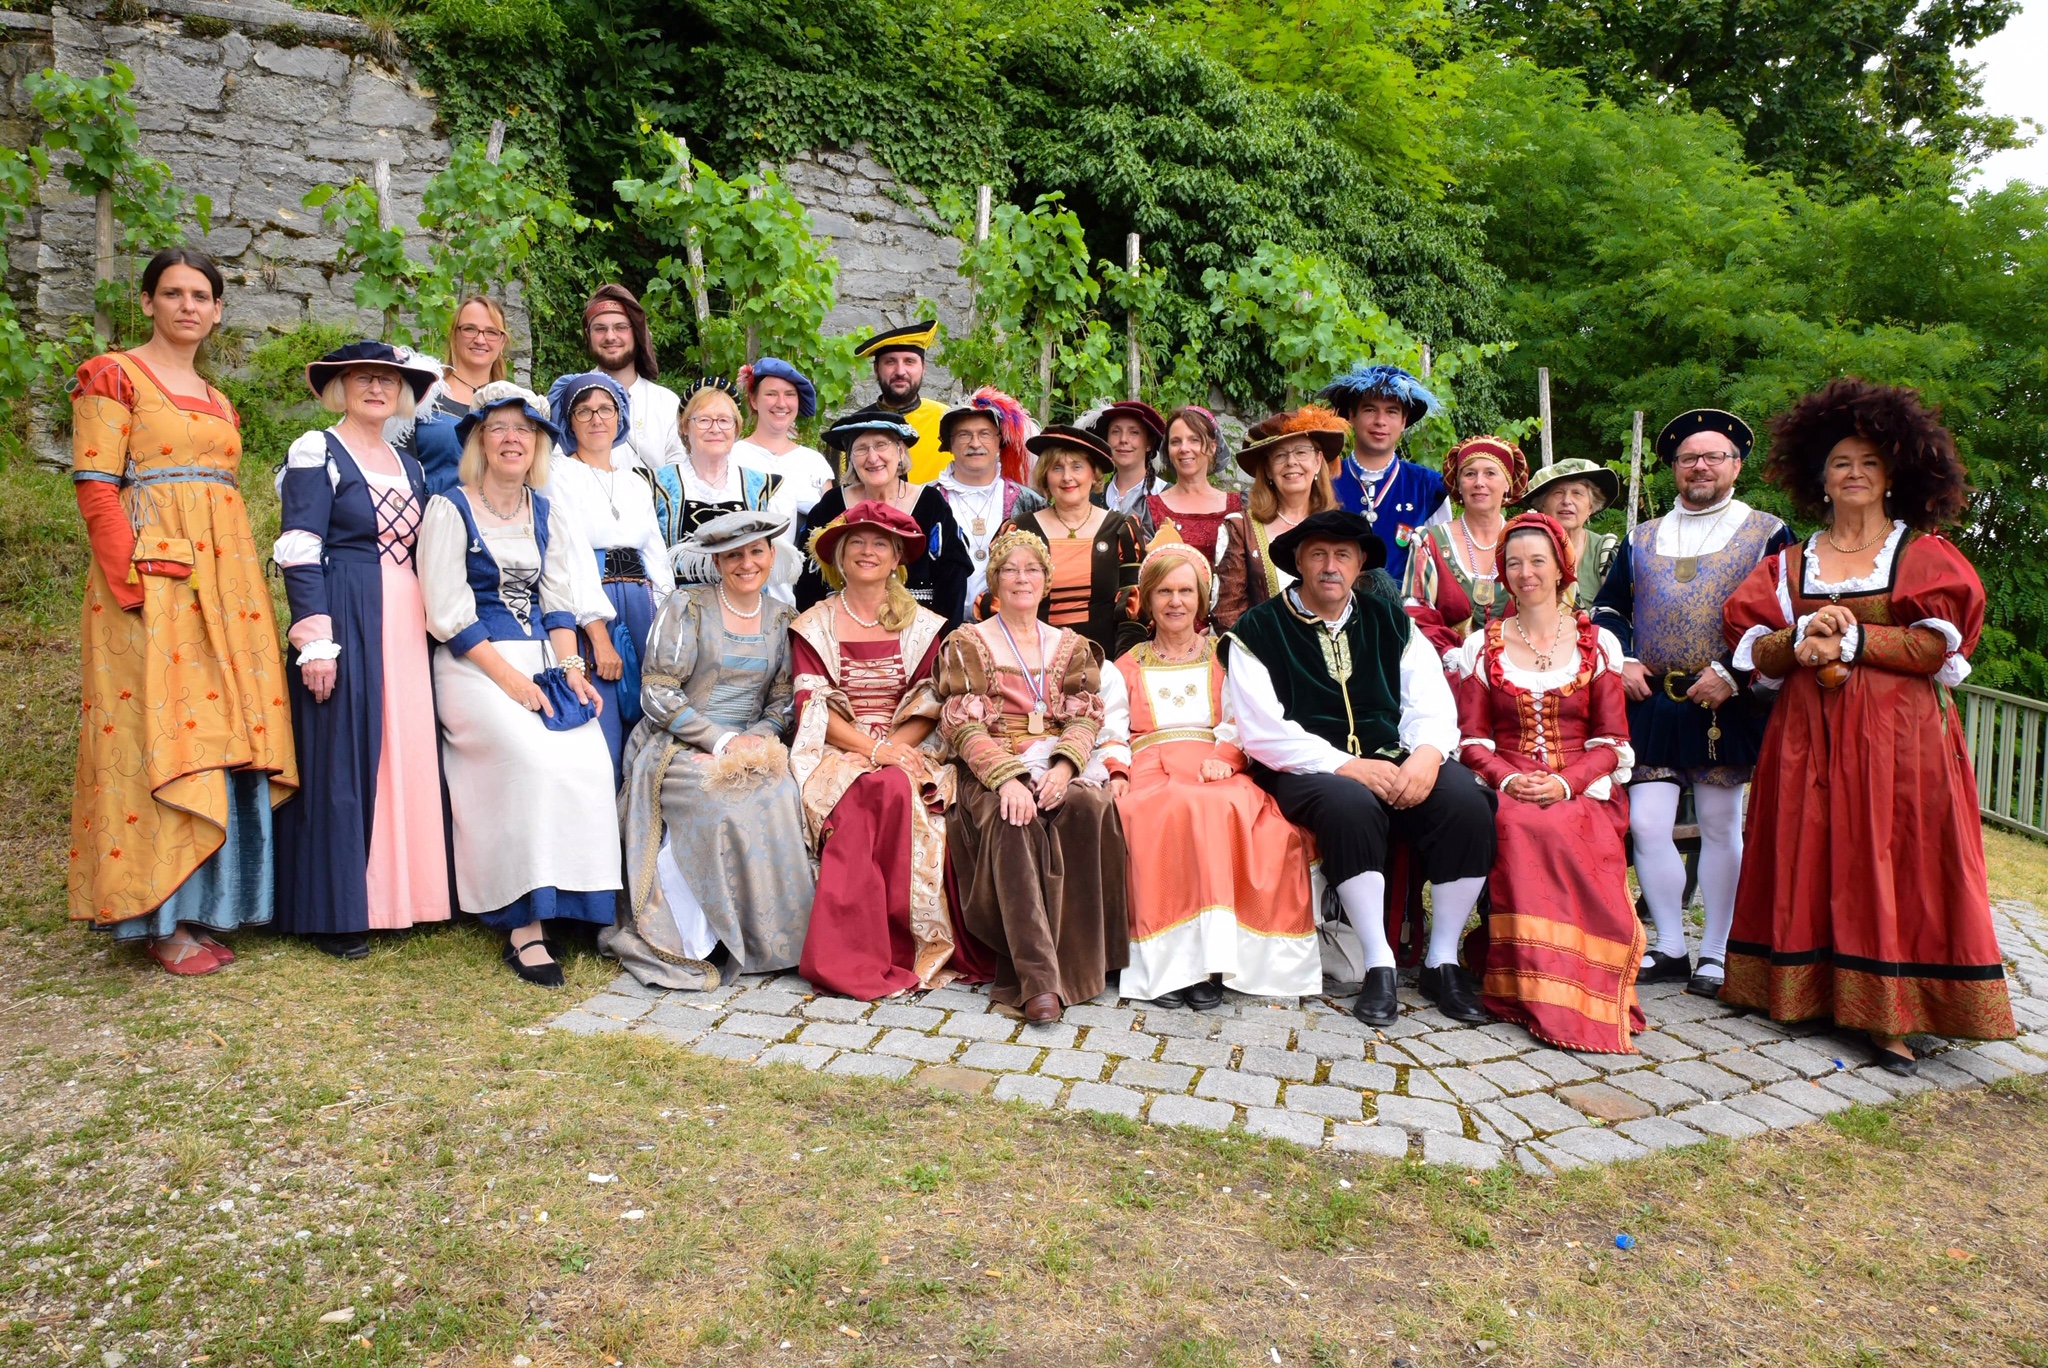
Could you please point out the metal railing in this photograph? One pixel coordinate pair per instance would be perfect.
(2008, 740)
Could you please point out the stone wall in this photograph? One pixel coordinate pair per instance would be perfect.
(893, 249)
(252, 103)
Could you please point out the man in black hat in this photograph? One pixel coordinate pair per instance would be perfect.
(1343, 708)
(898, 354)
(1694, 720)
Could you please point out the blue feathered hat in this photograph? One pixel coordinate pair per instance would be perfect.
(563, 394)
(505, 394)
(775, 368)
(1391, 382)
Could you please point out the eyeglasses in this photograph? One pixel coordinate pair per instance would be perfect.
(1024, 571)
(604, 329)
(711, 422)
(1310, 458)
(374, 380)
(1708, 458)
(506, 429)
(470, 332)
(595, 413)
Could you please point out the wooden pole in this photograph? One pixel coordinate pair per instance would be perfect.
(1635, 471)
(1425, 361)
(981, 208)
(495, 146)
(380, 181)
(102, 258)
(1131, 360)
(1543, 409)
(1045, 382)
(694, 254)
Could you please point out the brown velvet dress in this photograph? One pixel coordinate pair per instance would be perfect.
(1046, 899)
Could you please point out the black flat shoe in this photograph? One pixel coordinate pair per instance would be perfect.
(1453, 994)
(1205, 996)
(1666, 969)
(1176, 999)
(1377, 1005)
(548, 975)
(347, 945)
(1892, 1062)
(1703, 984)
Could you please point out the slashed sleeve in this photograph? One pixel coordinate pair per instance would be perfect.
(1233, 571)
(668, 667)
(1757, 622)
(306, 505)
(969, 715)
(102, 415)
(777, 709)
(1078, 711)
(1938, 602)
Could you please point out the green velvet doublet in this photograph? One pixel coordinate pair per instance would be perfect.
(1298, 651)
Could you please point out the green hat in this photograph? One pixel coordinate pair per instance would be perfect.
(1603, 480)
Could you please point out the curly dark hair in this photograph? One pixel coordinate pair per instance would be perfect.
(1928, 489)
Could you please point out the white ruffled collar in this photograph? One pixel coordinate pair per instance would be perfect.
(1879, 576)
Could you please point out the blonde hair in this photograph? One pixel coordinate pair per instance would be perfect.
(702, 399)
(334, 396)
(1041, 474)
(1162, 561)
(899, 609)
(1262, 501)
(471, 469)
(501, 369)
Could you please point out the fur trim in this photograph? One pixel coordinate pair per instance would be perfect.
(739, 769)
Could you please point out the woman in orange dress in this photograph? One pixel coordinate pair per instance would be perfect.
(1095, 550)
(1219, 890)
(184, 739)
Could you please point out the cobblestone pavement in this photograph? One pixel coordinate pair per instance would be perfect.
(1307, 1072)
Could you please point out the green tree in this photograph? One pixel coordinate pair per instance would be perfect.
(1818, 88)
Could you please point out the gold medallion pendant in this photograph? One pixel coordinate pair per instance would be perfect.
(1688, 566)
(980, 527)
(1482, 593)
(1035, 723)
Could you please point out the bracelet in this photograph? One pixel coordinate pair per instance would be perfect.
(875, 749)
(576, 663)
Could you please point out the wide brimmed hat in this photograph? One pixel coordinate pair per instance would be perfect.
(504, 394)
(1386, 382)
(1080, 439)
(915, 337)
(1332, 524)
(696, 556)
(1491, 448)
(839, 437)
(1312, 421)
(421, 373)
(1703, 420)
(1148, 418)
(563, 394)
(869, 513)
(1560, 544)
(1604, 481)
(775, 368)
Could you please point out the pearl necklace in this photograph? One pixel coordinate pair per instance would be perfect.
(726, 603)
(1543, 657)
(847, 608)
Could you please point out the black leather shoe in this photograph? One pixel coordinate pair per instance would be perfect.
(1177, 998)
(1703, 984)
(1447, 987)
(1666, 969)
(1905, 1065)
(545, 975)
(346, 945)
(1205, 996)
(1377, 1005)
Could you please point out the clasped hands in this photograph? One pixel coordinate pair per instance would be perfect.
(1827, 631)
(1020, 801)
(1398, 786)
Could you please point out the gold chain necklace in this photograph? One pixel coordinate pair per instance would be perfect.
(1073, 529)
(1852, 550)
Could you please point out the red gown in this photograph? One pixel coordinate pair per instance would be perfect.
(1561, 945)
(1863, 895)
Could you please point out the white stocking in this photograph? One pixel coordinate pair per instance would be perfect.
(1364, 897)
(1720, 812)
(1653, 812)
(1451, 906)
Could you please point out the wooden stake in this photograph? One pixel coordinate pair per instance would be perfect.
(102, 258)
(982, 200)
(1425, 361)
(1045, 382)
(1131, 321)
(1635, 471)
(380, 181)
(494, 148)
(694, 254)
(1543, 409)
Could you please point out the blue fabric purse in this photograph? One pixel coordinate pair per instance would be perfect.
(571, 711)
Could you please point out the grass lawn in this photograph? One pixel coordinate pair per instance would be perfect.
(297, 1160)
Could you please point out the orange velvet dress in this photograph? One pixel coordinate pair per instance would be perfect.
(185, 738)
(1863, 895)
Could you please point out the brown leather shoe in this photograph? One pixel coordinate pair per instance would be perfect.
(1043, 1008)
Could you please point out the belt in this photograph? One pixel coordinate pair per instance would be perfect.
(622, 563)
(1171, 734)
(167, 475)
(1676, 682)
